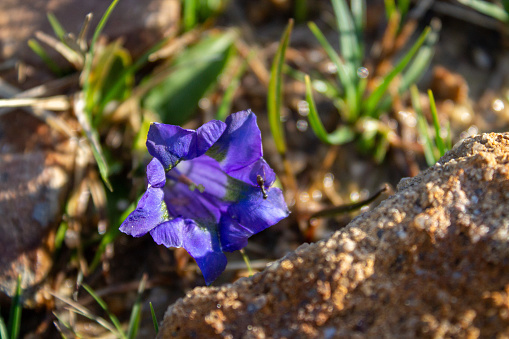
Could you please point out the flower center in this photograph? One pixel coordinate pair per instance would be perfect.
(175, 175)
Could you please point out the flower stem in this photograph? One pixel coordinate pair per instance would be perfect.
(246, 260)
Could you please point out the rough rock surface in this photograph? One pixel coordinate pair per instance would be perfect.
(35, 172)
(430, 261)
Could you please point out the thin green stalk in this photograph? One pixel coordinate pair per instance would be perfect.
(246, 260)
(57, 27)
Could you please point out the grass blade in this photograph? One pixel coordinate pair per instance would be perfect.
(344, 75)
(376, 96)
(104, 306)
(422, 59)
(275, 91)
(403, 6)
(359, 21)
(438, 138)
(350, 47)
(39, 50)
(3, 329)
(93, 139)
(340, 136)
(154, 319)
(90, 55)
(422, 126)
(134, 320)
(390, 7)
(79, 309)
(57, 27)
(14, 323)
(488, 8)
(190, 14)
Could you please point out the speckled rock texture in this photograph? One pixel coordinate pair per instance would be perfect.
(430, 261)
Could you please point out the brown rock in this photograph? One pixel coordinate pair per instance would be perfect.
(430, 261)
(143, 23)
(35, 171)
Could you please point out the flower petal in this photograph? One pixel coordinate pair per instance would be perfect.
(155, 173)
(150, 212)
(202, 244)
(256, 213)
(170, 144)
(250, 173)
(233, 236)
(170, 233)
(206, 136)
(241, 143)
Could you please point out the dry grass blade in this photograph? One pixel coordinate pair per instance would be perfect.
(176, 45)
(82, 36)
(71, 55)
(56, 103)
(79, 309)
(48, 117)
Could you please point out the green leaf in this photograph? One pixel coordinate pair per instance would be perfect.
(154, 319)
(350, 47)
(376, 96)
(57, 27)
(341, 135)
(14, 323)
(195, 71)
(349, 84)
(275, 91)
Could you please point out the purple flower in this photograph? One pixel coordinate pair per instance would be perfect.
(208, 190)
